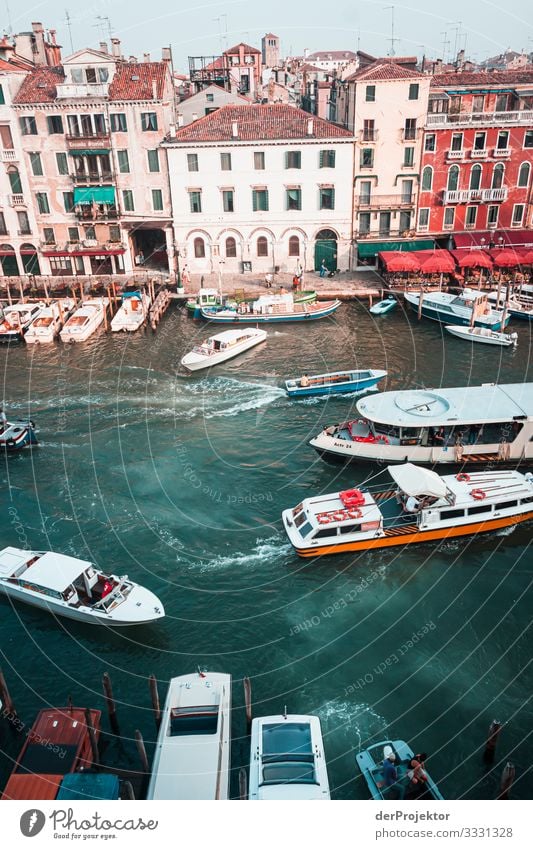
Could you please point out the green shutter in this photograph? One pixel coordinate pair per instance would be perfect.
(254, 200)
(321, 162)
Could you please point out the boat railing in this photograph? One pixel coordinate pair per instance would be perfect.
(220, 745)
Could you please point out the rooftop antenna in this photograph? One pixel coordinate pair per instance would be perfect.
(392, 37)
(69, 27)
(456, 29)
(222, 35)
(104, 23)
(445, 46)
(8, 13)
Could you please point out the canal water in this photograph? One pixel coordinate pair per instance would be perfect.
(179, 481)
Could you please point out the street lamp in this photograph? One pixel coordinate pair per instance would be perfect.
(177, 252)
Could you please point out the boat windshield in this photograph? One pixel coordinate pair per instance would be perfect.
(289, 772)
(201, 719)
(288, 754)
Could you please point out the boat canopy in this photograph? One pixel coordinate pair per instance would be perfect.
(413, 480)
(56, 571)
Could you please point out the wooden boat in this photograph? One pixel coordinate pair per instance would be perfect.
(287, 759)
(371, 761)
(57, 744)
(493, 424)
(132, 313)
(469, 308)
(334, 382)
(16, 320)
(222, 347)
(85, 321)
(383, 307)
(423, 507)
(271, 309)
(45, 328)
(212, 299)
(16, 435)
(484, 335)
(76, 589)
(192, 755)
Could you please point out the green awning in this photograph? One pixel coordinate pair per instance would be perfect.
(88, 152)
(96, 194)
(365, 249)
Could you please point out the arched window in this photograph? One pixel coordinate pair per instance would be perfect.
(427, 178)
(231, 247)
(523, 175)
(199, 248)
(497, 175)
(475, 177)
(453, 178)
(294, 246)
(262, 246)
(14, 179)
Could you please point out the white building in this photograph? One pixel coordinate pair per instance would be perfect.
(259, 188)
(204, 102)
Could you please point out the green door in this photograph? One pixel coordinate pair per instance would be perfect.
(326, 249)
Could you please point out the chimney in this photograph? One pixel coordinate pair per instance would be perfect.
(234, 130)
(438, 66)
(146, 57)
(172, 129)
(180, 120)
(195, 116)
(103, 47)
(37, 27)
(166, 54)
(310, 127)
(154, 89)
(306, 52)
(52, 36)
(115, 47)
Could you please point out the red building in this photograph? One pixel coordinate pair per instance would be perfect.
(477, 159)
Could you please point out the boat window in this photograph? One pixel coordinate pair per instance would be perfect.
(349, 529)
(483, 508)
(289, 773)
(504, 504)
(324, 533)
(306, 529)
(526, 500)
(297, 510)
(452, 514)
(300, 519)
(193, 720)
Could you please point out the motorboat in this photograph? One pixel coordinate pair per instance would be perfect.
(85, 320)
(133, 312)
(422, 507)
(271, 309)
(192, 754)
(45, 328)
(212, 299)
(473, 425)
(223, 346)
(57, 744)
(287, 759)
(16, 435)
(470, 308)
(76, 589)
(333, 383)
(383, 307)
(412, 779)
(517, 306)
(483, 335)
(16, 320)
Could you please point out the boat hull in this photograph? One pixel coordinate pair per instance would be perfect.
(383, 307)
(334, 388)
(449, 317)
(16, 436)
(473, 337)
(250, 318)
(360, 452)
(200, 363)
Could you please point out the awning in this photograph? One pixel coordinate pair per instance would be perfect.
(436, 262)
(474, 259)
(365, 249)
(492, 238)
(414, 480)
(399, 261)
(526, 92)
(95, 194)
(89, 152)
(441, 96)
(506, 258)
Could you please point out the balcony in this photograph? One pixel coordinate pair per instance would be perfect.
(383, 234)
(479, 154)
(502, 152)
(9, 156)
(90, 141)
(410, 135)
(16, 200)
(82, 90)
(455, 154)
(86, 212)
(83, 246)
(92, 179)
(368, 136)
(479, 119)
(474, 195)
(384, 201)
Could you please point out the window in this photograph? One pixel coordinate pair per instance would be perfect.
(497, 176)
(195, 200)
(407, 191)
(410, 129)
(449, 217)
(528, 138)
(455, 104)
(518, 215)
(408, 156)
(225, 161)
(471, 215)
(127, 200)
(429, 143)
(62, 163)
(505, 505)
(523, 175)
(370, 95)
(414, 89)
(28, 125)
(3, 229)
(192, 161)
(369, 130)
(384, 223)
(327, 198)
(90, 232)
(427, 179)
(365, 191)
(61, 265)
(24, 224)
(259, 160)
(423, 218)
(478, 103)
(366, 157)
(2, 98)
(118, 122)
(479, 141)
(293, 159)
(36, 164)
(55, 124)
(227, 200)
(364, 223)
(199, 248)
(153, 160)
(492, 216)
(14, 180)
(114, 233)
(453, 178)
(457, 141)
(501, 102)
(148, 121)
(210, 97)
(73, 234)
(260, 200)
(157, 200)
(42, 203)
(475, 177)
(326, 159)
(90, 74)
(294, 198)
(294, 246)
(503, 140)
(231, 247)
(262, 246)
(68, 201)
(452, 514)
(123, 161)
(49, 235)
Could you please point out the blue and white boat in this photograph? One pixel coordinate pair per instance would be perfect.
(469, 308)
(383, 307)
(270, 309)
(412, 782)
(16, 435)
(519, 306)
(333, 383)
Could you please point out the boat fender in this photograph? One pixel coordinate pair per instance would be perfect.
(478, 494)
(462, 476)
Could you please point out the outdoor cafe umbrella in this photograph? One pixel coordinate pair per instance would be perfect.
(506, 258)
(475, 259)
(400, 261)
(436, 262)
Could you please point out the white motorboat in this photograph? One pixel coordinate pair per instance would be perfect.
(132, 313)
(287, 759)
(221, 347)
(76, 589)
(483, 334)
(16, 320)
(85, 320)
(469, 308)
(45, 328)
(192, 756)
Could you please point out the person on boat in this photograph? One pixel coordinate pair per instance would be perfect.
(304, 380)
(295, 283)
(417, 775)
(412, 505)
(390, 773)
(299, 272)
(439, 437)
(108, 586)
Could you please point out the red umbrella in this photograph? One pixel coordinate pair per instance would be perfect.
(400, 261)
(435, 262)
(475, 259)
(506, 258)
(527, 256)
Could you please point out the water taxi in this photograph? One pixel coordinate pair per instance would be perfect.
(334, 382)
(192, 755)
(222, 347)
(45, 328)
(16, 320)
(76, 589)
(473, 425)
(484, 335)
(16, 435)
(412, 779)
(383, 307)
(85, 321)
(271, 309)
(423, 507)
(470, 308)
(132, 313)
(287, 759)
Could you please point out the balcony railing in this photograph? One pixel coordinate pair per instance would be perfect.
(86, 212)
(91, 245)
(479, 118)
(94, 141)
(16, 200)
(456, 154)
(470, 195)
(502, 152)
(9, 155)
(92, 179)
(479, 154)
(82, 90)
(368, 136)
(384, 201)
(384, 234)
(410, 135)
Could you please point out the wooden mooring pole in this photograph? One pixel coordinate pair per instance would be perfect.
(7, 701)
(139, 742)
(92, 736)
(492, 739)
(506, 781)
(243, 784)
(110, 703)
(247, 684)
(154, 695)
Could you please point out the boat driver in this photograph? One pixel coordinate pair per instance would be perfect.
(412, 504)
(304, 380)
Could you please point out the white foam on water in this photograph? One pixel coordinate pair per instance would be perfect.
(506, 532)
(269, 549)
(358, 721)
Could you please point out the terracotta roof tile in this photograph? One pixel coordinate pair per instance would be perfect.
(383, 70)
(477, 78)
(40, 86)
(257, 123)
(332, 55)
(247, 48)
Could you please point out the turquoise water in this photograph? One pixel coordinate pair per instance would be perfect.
(179, 481)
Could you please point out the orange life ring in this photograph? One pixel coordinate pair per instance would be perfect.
(462, 476)
(384, 439)
(352, 497)
(355, 514)
(338, 517)
(323, 520)
(478, 494)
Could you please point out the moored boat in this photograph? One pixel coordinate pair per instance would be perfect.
(518, 306)
(45, 328)
(383, 307)
(470, 308)
(16, 435)
(132, 313)
(16, 320)
(85, 320)
(423, 507)
(333, 382)
(484, 335)
(271, 309)
(192, 755)
(412, 779)
(223, 346)
(76, 589)
(212, 299)
(287, 759)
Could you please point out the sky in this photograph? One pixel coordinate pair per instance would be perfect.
(205, 27)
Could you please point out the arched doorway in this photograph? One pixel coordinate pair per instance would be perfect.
(8, 261)
(326, 249)
(30, 260)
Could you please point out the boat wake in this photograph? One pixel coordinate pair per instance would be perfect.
(265, 550)
(222, 397)
(358, 722)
